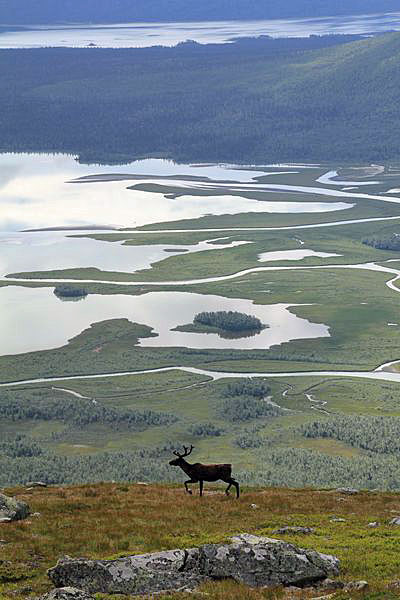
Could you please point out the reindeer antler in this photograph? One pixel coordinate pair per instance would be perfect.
(187, 451)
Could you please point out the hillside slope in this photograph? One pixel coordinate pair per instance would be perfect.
(113, 520)
(241, 102)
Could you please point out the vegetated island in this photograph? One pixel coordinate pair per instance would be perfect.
(68, 292)
(228, 324)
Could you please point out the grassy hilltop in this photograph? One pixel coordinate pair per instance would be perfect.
(107, 521)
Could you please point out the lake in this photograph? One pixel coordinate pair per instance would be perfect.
(35, 319)
(129, 35)
(37, 191)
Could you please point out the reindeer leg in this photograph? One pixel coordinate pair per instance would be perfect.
(201, 483)
(186, 485)
(231, 482)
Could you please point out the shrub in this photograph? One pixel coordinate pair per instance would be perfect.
(205, 430)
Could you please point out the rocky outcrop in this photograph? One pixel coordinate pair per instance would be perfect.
(255, 561)
(67, 593)
(12, 509)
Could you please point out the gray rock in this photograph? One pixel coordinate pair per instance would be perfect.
(255, 561)
(12, 509)
(356, 586)
(34, 484)
(373, 524)
(287, 529)
(348, 491)
(331, 584)
(395, 522)
(67, 593)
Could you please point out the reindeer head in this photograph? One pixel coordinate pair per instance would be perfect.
(177, 462)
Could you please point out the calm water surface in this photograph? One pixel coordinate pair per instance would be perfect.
(35, 319)
(169, 34)
(36, 192)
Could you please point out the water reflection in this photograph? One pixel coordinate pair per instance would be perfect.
(169, 34)
(34, 319)
(46, 251)
(34, 194)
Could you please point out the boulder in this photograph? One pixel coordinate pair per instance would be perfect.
(395, 522)
(348, 491)
(67, 593)
(255, 561)
(12, 509)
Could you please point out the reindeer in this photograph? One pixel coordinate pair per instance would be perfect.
(201, 473)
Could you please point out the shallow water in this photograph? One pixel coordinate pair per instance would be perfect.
(52, 250)
(35, 319)
(169, 34)
(35, 192)
(293, 255)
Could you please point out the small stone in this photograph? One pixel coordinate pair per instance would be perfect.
(294, 530)
(348, 491)
(35, 484)
(395, 522)
(36, 514)
(254, 506)
(67, 593)
(142, 483)
(338, 520)
(373, 524)
(5, 519)
(356, 586)
(394, 585)
(331, 584)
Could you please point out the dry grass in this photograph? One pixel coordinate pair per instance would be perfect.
(111, 520)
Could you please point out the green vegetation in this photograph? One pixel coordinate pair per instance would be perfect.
(176, 520)
(48, 432)
(274, 101)
(205, 430)
(377, 434)
(229, 321)
(391, 242)
(68, 291)
(247, 408)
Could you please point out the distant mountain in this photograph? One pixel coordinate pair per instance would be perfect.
(97, 11)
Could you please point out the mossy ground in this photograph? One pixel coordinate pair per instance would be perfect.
(113, 520)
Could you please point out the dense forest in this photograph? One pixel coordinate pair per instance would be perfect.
(229, 320)
(252, 101)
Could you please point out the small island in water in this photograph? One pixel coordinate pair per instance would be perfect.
(69, 292)
(231, 324)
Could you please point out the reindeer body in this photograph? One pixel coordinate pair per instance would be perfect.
(199, 473)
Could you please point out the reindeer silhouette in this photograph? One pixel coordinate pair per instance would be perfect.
(199, 473)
